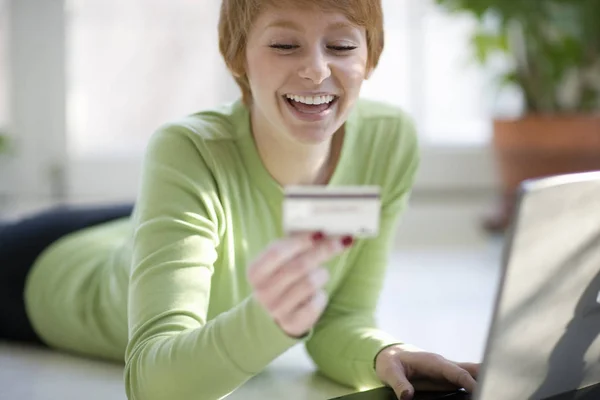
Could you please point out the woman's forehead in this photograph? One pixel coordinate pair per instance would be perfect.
(295, 18)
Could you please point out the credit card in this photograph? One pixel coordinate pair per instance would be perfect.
(333, 210)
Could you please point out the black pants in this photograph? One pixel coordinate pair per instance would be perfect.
(22, 242)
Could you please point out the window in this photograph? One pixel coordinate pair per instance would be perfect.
(3, 64)
(135, 64)
(454, 105)
(427, 68)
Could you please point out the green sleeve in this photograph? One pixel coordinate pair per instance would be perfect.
(346, 339)
(173, 352)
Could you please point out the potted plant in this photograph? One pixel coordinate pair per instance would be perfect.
(554, 51)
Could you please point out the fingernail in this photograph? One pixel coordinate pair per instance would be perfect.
(347, 241)
(405, 395)
(317, 237)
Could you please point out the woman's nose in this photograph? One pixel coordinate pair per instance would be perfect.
(315, 66)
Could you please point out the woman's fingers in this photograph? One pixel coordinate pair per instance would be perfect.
(287, 279)
(472, 368)
(306, 314)
(279, 284)
(300, 293)
(458, 376)
(277, 255)
(397, 380)
(427, 371)
(437, 368)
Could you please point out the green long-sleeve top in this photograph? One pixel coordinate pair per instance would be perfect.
(166, 291)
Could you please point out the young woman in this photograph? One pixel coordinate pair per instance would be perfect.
(195, 287)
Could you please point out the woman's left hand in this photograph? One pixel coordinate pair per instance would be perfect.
(398, 365)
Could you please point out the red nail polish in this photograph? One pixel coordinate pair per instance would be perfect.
(317, 237)
(347, 241)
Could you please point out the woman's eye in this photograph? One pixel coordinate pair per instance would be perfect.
(288, 47)
(284, 46)
(342, 48)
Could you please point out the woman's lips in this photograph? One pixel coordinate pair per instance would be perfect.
(311, 113)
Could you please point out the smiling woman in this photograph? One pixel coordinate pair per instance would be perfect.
(285, 65)
(311, 53)
(233, 35)
(195, 286)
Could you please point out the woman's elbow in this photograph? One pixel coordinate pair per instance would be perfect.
(148, 376)
(139, 383)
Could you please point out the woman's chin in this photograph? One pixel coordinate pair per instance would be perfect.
(311, 136)
(316, 134)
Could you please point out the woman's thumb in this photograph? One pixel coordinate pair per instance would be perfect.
(401, 386)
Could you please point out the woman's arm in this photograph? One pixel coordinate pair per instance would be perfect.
(346, 340)
(173, 351)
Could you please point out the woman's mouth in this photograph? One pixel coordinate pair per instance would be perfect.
(311, 107)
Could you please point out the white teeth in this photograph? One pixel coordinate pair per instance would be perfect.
(311, 99)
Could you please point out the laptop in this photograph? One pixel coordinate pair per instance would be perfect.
(544, 338)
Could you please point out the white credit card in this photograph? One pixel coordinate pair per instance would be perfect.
(332, 210)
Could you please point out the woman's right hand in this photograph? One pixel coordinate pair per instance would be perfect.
(288, 279)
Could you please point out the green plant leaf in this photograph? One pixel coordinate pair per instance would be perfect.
(590, 100)
(486, 44)
(547, 39)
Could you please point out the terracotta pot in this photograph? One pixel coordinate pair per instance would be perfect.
(538, 146)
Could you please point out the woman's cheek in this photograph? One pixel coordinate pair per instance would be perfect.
(353, 73)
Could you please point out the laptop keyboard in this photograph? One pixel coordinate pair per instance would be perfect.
(442, 396)
(386, 393)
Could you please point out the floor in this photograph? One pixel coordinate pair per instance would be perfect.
(440, 300)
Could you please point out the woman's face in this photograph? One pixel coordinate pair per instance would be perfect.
(305, 69)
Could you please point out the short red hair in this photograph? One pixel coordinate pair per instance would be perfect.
(237, 16)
